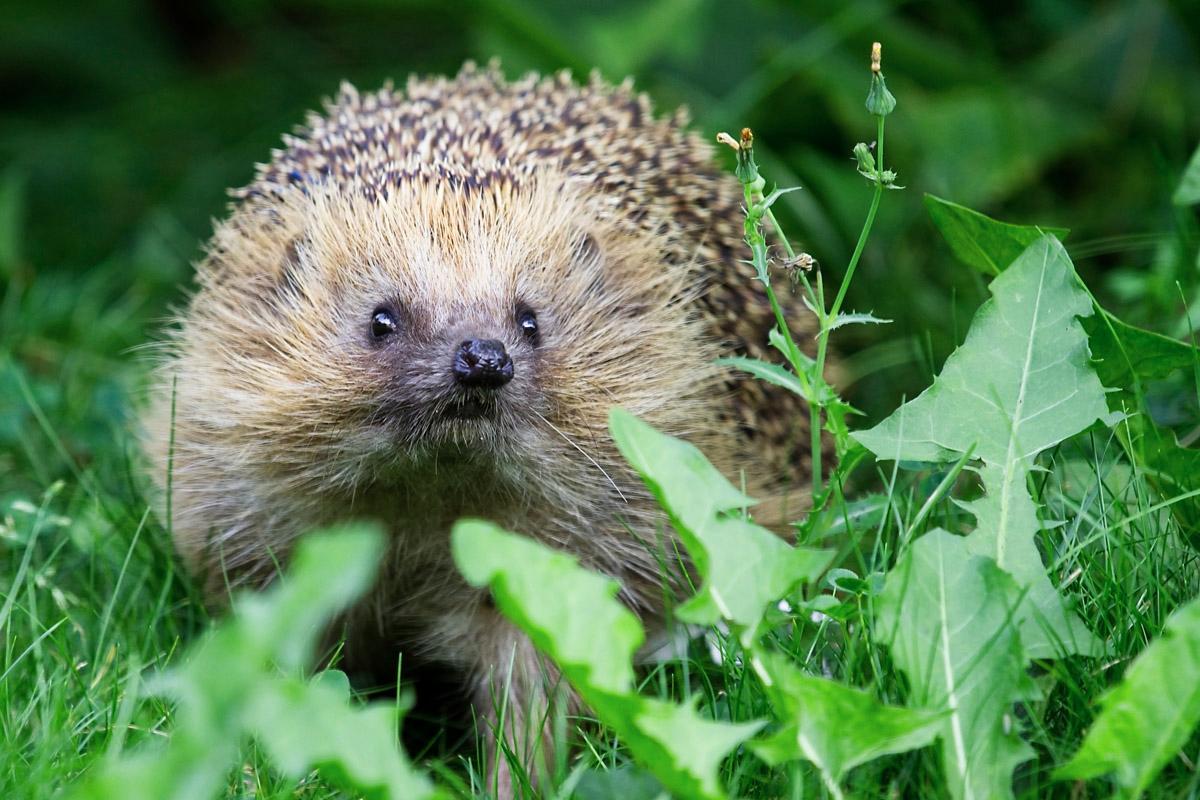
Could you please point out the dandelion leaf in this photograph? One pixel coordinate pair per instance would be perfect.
(1019, 384)
(836, 727)
(744, 567)
(1124, 356)
(947, 617)
(573, 616)
(1150, 715)
(239, 681)
(979, 241)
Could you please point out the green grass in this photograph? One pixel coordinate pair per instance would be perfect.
(109, 193)
(94, 596)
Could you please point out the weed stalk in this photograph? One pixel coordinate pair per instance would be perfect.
(818, 394)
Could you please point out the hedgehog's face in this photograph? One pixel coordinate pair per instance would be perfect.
(454, 376)
(437, 331)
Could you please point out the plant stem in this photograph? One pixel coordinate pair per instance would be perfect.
(866, 230)
(831, 317)
(758, 247)
(787, 246)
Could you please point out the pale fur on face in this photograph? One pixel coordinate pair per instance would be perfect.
(285, 407)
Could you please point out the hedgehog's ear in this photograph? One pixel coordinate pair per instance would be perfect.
(587, 258)
(602, 257)
(586, 248)
(287, 276)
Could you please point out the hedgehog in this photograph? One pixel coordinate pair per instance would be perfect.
(422, 308)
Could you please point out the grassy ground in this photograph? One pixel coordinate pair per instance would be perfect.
(1047, 114)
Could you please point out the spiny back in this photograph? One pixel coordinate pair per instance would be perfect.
(477, 128)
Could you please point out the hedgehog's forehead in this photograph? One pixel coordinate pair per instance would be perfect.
(444, 245)
(540, 206)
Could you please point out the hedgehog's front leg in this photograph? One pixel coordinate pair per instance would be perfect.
(514, 693)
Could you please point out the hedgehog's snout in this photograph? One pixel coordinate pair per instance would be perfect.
(482, 364)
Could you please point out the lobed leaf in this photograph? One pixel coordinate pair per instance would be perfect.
(1150, 715)
(1004, 515)
(547, 594)
(836, 727)
(313, 724)
(232, 685)
(947, 617)
(1018, 385)
(1124, 356)
(573, 616)
(743, 566)
(979, 241)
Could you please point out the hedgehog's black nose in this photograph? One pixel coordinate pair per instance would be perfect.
(482, 364)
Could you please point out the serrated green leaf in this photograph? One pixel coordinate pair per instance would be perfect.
(572, 615)
(947, 617)
(1124, 356)
(1150, 715)
(836, 727)
(855, 318)
(979, 241)
(1019, 384)
(744, 567)
(1188, 191)
(355, 746)
(232, 685)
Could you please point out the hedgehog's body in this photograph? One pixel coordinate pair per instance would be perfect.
(422, 309)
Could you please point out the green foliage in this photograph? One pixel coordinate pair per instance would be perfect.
(240, 680)
(1188, 191)
(1149, 716)
(836, 727)
(745, 567)
(572, 615)
(772, 373)
(1019, 385)
(947, 616)
(1126, 358)
(11, 200)
(979, 241)
(1042, 112)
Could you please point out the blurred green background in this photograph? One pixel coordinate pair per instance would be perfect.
(123, 123)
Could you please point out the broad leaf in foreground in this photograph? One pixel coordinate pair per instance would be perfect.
(947, 617)
(1019, 384)
(1150, 715)
(744, 567)
(572, 615)
(239, 681)
(1123, 356)
(313, 724)
(836, 727)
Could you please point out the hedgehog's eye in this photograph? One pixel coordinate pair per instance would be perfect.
(527, 320)
(383, 323)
